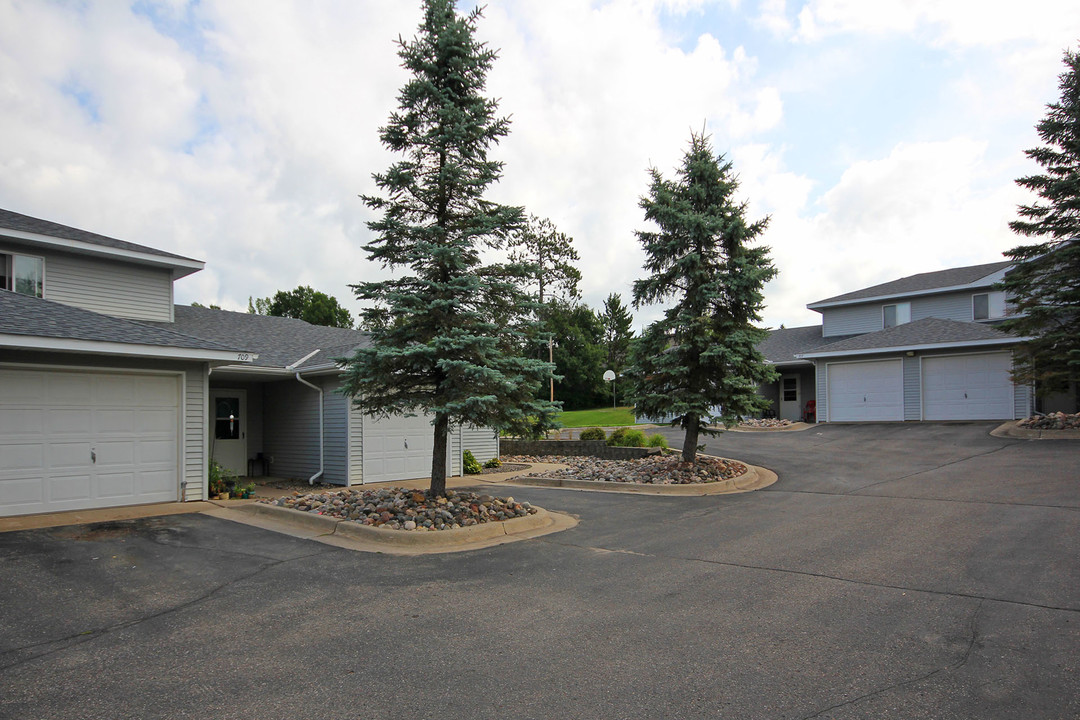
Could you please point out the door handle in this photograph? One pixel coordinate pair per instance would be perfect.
(93, 455)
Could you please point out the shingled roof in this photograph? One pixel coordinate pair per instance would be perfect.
(928, 331)
(34, 317)
(923, 282)
(279, 341)
(24, 223)
(782, 344)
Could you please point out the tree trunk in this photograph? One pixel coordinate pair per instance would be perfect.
(438, 455)
(690, 442)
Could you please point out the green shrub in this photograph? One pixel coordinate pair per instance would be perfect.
(617, 436)
(472, 466)
(656, 440)
(633, 438)
(593, 433)
(493, 463)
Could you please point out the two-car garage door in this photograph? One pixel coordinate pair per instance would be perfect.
(953, 387)
(78, 440)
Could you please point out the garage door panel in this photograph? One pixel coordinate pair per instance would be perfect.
(21, 457)
(116, 421)
(21, 492)
(866, 391)
(21, 421)
(968, 387)
(68, 488)
(397, 448)
(86, 439)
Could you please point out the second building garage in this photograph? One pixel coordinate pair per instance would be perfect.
(967, 387)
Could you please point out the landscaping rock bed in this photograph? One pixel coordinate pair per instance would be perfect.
(1051, 421)
(765, 423)
(402, 509)
(654, 470)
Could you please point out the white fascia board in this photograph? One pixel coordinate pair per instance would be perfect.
(983, 282)
(789, 362)
(99, 347)
(252, 370)
(906, 348)
(181, 267)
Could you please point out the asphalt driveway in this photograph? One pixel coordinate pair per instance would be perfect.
(905, 571)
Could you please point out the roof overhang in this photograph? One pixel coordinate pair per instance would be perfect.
(957, 345)
(180, 267)
(982, 283)
(98, 347)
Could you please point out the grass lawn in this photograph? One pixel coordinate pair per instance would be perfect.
(599, 417)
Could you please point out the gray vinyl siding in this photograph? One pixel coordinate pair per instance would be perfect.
(457, 451)
(336, 410)
(912, 389)
(291, 429)
(111, 288)
(822, 390)
(1022, 401)
(356, 445)
(851, 320)
(483, 442)
(953, 306)
(194, 451)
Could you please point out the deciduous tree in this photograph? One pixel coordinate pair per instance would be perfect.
(304, 303)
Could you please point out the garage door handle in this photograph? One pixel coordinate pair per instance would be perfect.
(93, 455)
(965, 396)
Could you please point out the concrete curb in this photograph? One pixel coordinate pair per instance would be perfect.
(796, 427)
(755, 478)
(459, 538)
(1010, 429)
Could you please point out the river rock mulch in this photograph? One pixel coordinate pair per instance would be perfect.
(1051, 421)
(653, 470)
(403, 509)
(765, 423)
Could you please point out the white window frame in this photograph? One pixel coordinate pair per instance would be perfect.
(7, 258)
(995, 306)
(903, 314)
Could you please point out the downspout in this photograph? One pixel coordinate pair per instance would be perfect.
(313, 478)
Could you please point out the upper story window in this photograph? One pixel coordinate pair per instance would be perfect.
(897, 314)
(988, 306)
(23, 274)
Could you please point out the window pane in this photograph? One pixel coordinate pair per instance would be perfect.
(890, 315)
(26, 272)
(980, 306)
(227, 418)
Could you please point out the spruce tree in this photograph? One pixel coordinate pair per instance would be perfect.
(448, 335)
(1044, 286)
(618, 335)
(702, 353)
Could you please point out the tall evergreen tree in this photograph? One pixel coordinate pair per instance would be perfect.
(618, 334)
(450, 333)
(552, 255)
(702, 353)
(1045, 284)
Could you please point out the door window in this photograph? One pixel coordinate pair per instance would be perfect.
(791, 389)
(227, 418)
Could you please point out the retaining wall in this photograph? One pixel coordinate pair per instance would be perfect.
(592, 448)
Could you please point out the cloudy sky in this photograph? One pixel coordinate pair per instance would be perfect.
(882, 138)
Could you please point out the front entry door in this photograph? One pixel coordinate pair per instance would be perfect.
(228, 429)
(790, 402)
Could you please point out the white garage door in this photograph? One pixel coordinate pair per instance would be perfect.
(967, 387)
(398, 448)
(79, 440)
(866, 391)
